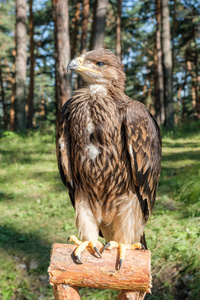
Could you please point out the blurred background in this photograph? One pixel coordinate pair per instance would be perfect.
(158, 43)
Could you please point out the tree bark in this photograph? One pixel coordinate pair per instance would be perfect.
(167, 66)
(184, 108)
(5, 118)
(189, 67)
(178, 105)
(125, 294)
(93, 24)
(62, 51)
(135, 274)
(197, 81)
(75, 31)
(12, 106)
(86, 8)
(99, 24)
(174, 27)
(12, 98)
(118, 48)
(65, 292)
(21, 59)
(158, 69)
(32, 63)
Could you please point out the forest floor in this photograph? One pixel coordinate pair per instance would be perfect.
(36, 212)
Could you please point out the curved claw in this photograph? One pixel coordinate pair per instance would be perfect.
(143, 247)
(106, 246)
(97, 251)
(120, 263)
(78, 258)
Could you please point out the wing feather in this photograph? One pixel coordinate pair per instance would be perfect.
(143, 141)
(63, 150)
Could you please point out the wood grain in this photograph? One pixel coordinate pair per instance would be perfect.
(135, 274)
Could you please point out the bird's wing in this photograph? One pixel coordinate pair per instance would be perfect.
(143, 142)
(63, 150)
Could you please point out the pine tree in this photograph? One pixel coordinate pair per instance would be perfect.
(21, 60)
(32, 67)
(158, 69)
(62, 51)
(167, 66)
(99, 24)
(118, 47)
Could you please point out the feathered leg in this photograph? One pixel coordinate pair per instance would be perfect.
(88, 228)
(127, 226)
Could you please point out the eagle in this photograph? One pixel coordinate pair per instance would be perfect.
(109, 157)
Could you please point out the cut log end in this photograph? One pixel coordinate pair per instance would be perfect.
(102, 273)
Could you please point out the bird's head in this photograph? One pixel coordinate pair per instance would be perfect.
(99, 66)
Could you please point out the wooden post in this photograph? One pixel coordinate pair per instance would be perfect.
(130, 295)
(65, 292)
(133, 279)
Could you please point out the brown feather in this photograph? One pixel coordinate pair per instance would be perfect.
(109, 151)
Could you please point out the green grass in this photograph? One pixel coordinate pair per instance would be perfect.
(36, 212)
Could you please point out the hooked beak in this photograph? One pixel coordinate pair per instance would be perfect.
(76, 64)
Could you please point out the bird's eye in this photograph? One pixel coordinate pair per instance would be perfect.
(100, 64)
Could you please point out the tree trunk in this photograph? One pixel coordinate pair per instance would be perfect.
(75, 31)
(12, 98)
(86, 8)
(5, 119)
(21, 59)
(12, 106)
(158, 69)
(167, 66)
(197, 81)
(178, 105)
(118, 48)
(62, 51)
(174, 27)
(99, 24)
(93, 24)
(32, 62)
(189, 67)
(184, 108)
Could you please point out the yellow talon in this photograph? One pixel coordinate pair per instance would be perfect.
(110, 245)
(136, 246)
(82, 246)
(122, 249)
(73, 238)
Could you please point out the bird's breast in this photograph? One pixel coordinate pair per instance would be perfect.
(97, 146)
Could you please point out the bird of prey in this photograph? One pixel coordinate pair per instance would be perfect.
(109, 156)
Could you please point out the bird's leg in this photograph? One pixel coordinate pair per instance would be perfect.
(122, 249)
(82, 246)
(87, 226)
